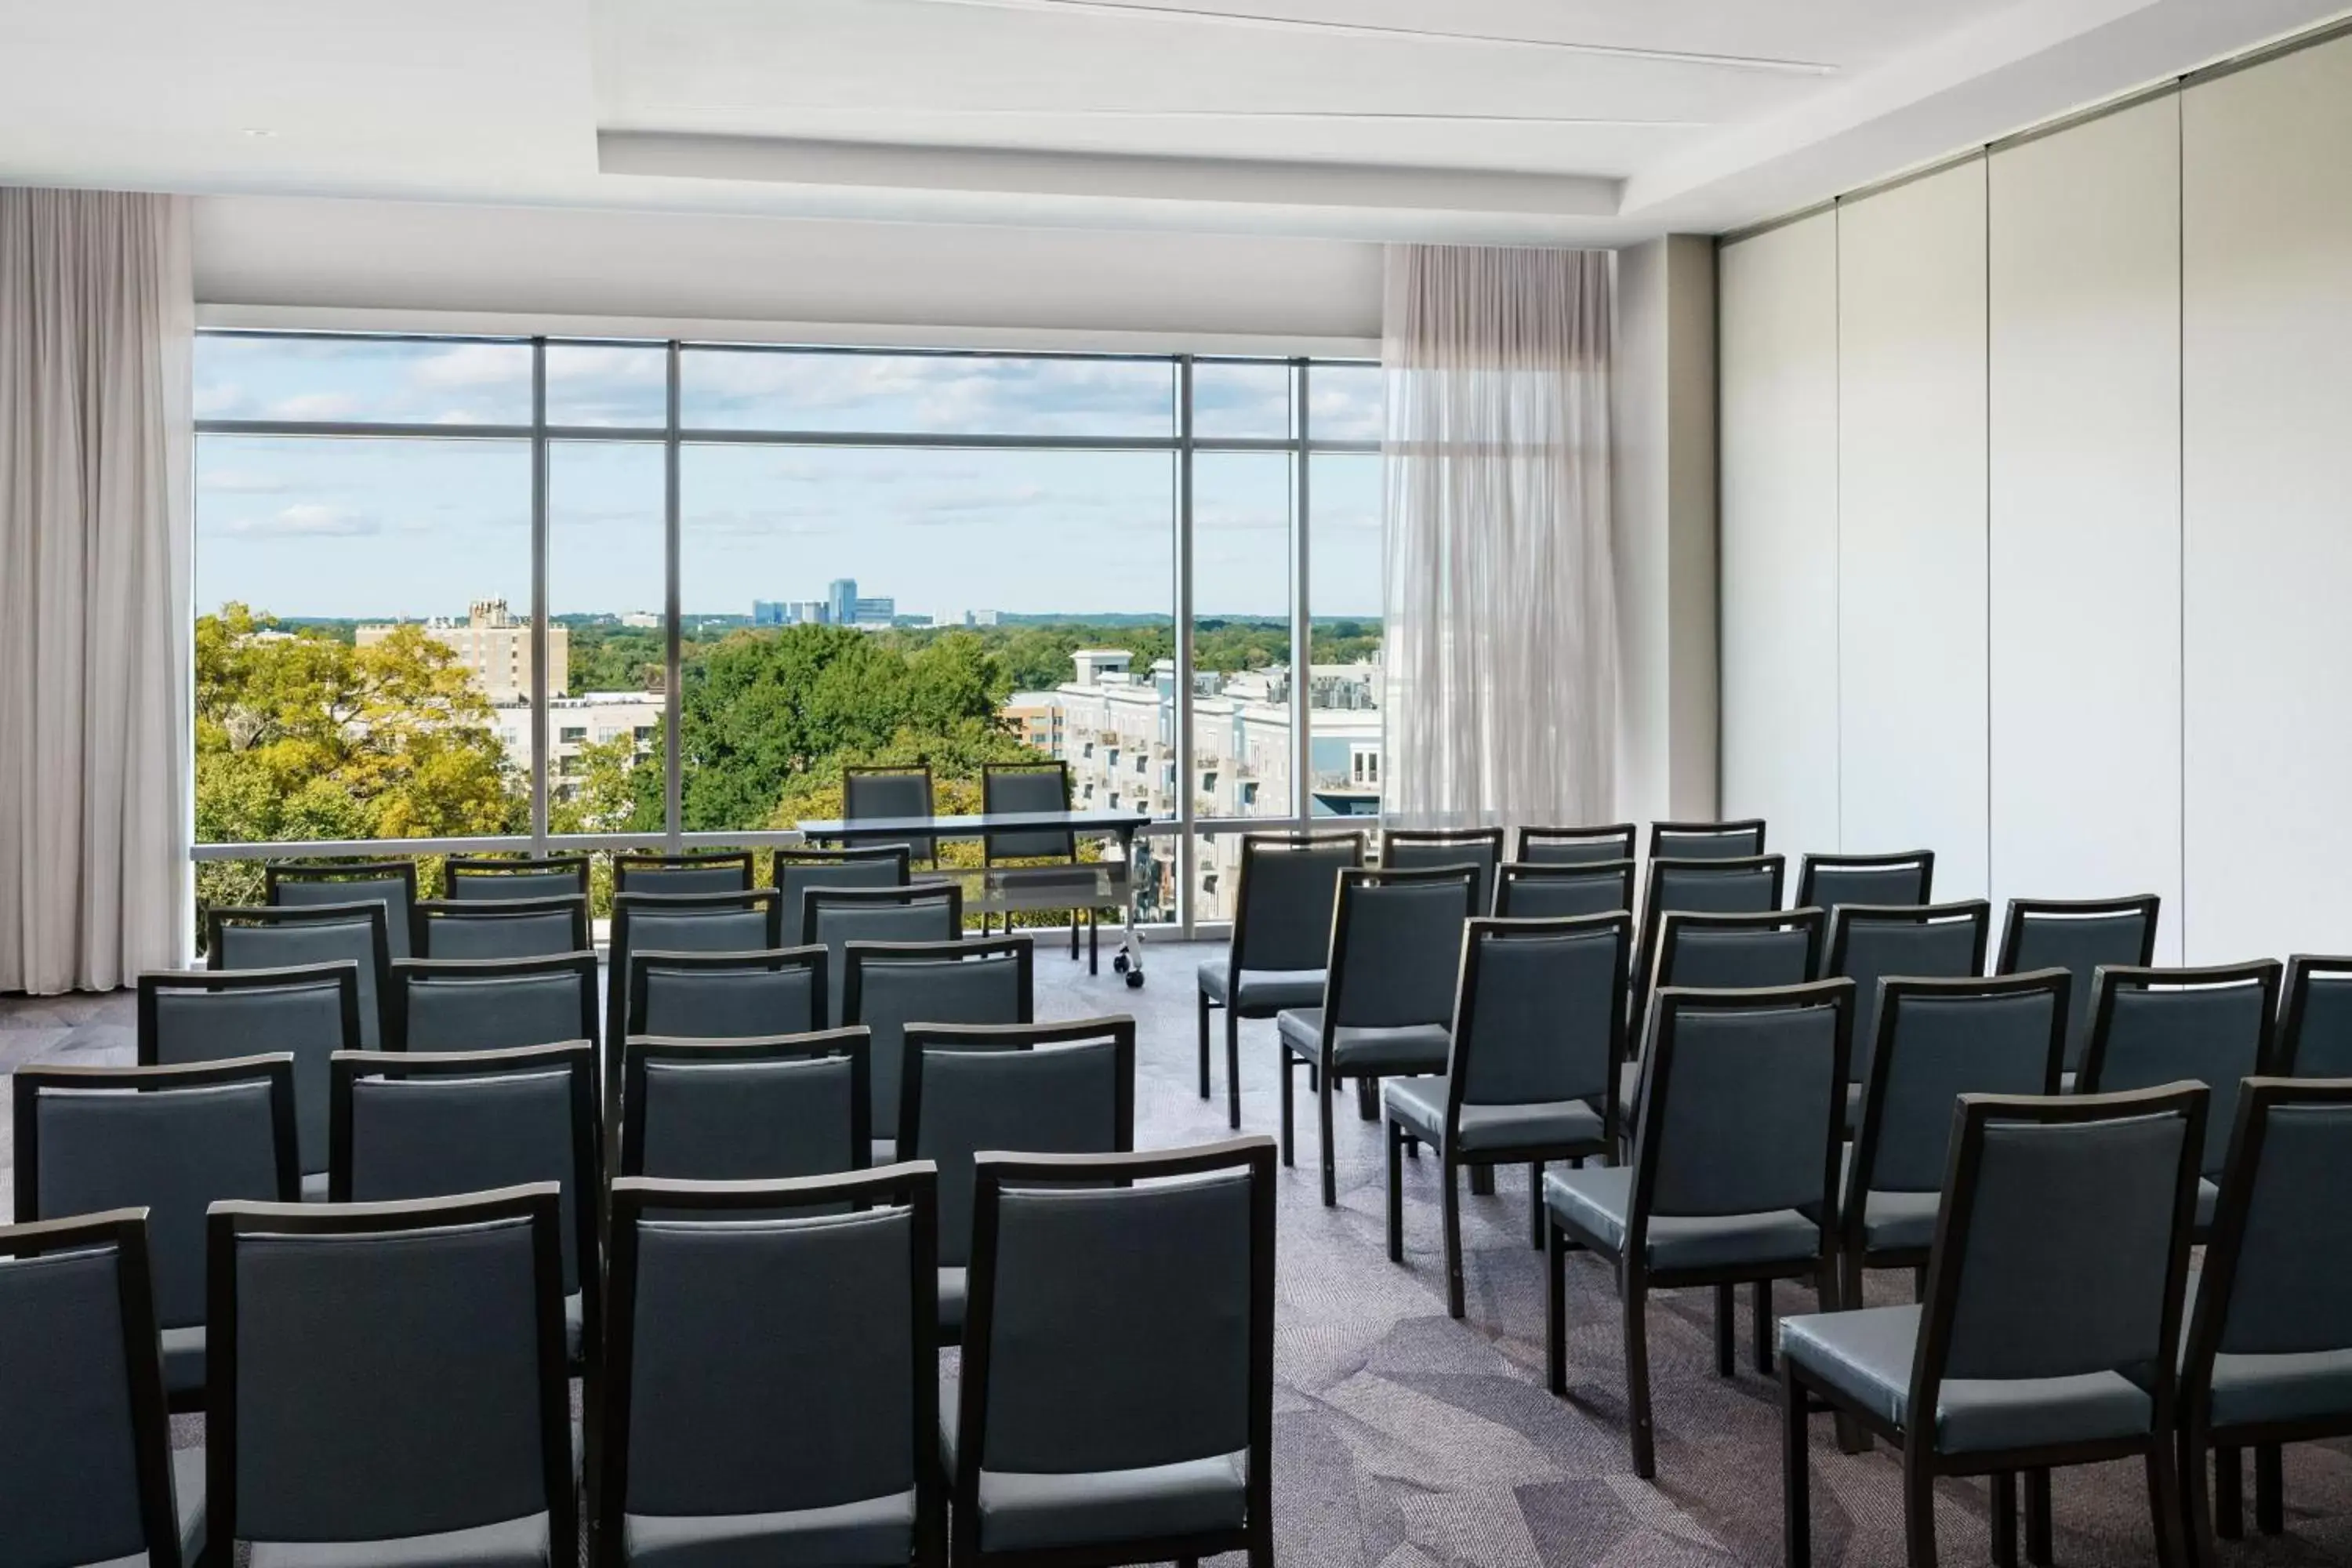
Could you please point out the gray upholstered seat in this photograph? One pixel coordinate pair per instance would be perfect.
(1420, 1104)
(2292, 1386)
(502, 928)
(798, 870)
(1281, 940)
(870, 1529)
(890, 986)
(1868, 1354)
(511, 1543)
(1261, 989)
(1596, 1201)
(1374, 1049)
(1903, 1222)
(491, 1005)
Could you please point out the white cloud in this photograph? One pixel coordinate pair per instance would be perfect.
(242, 481)
(218, 400)
(306, 519)
(316, 405)
(474, 364)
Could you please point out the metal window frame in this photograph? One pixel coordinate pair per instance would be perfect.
(1182, 443)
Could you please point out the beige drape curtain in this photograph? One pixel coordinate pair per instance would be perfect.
(96, 332)
(1501, 641)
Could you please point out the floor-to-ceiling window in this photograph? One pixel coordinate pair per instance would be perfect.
(569, 593)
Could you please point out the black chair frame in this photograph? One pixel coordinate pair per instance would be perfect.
(1532, 873)
(429, 912)
(395, 1009)
(369, 910)
(628, 861)
(1842, 919)
(276, 1068)
(809, 958)
(924, 847)
(911, 893)
(1617, 836)
(1646, 955)
(992, 1173)
(854, 1045)
(344, 972)
(2022, 910)
(1119, 1029)
(488, 869)
(273, 873)
(1811, 866)
(2294, 1004)
(1812, 921)
(856, 956)
(1751, 828)
(1491, 839)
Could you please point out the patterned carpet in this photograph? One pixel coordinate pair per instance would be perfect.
(1406, 1440)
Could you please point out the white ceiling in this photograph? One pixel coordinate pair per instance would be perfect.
(1564, 121)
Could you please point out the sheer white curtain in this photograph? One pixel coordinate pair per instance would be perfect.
(97, 322)
(1501, 642)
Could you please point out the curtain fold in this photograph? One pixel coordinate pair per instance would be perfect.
(97, 329)
(1501, 643)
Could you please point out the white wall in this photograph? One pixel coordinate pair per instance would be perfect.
(2090, 555)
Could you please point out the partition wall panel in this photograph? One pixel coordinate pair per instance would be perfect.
(2267, 505)
(1777, 364)
(2084, 417)
(1912, 591)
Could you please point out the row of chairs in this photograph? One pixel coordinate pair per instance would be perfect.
(391, 1383)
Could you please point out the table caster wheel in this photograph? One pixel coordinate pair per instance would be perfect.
(1135, 980)
(1118, 964)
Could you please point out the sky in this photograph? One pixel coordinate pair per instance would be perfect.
(341, 527)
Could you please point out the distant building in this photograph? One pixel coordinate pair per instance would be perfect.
(595, 717)
(767, 611)
(881, 612)
(1036, 716)
(840, 601)
(494, 645)
(967, 618)
(790, 612)
(642, 621)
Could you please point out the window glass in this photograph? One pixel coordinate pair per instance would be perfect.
(925, 394)
(1240, 400)
(606, 639)
(1344, 693)
(402, 381)
(1343, 403)
(622, 384)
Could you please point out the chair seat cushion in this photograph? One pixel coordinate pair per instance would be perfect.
(2207, 1195)
(953, 1284)
(872, 1530)
(1867, 1356)
(1594, 1204)
(2252, 1390)
(1419, 1104)
(314, 1187)
(183, 1359)
(1900, 1221)
(1262, 990)
(515, 1544)
(1410, 1048)
(576, 1326)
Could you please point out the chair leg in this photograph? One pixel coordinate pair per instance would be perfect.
(1074, 915)
(2197, 1495)
(1395, 1142)
(1330, 1156)
(1637, 1377)
(1204, 1045)
(2270, 1489)
(1796, 1476)
(1232, 1069)
(2003, 1522)
(1450, 1200)
(2037, 1518)
(1482, 1181)
(1918, 1513)
(1368, 1100)
(1535, 1204)
(1725, 1330)
(1555, 1310)
(1094, 941)
(1411, 1147)
(2230, 1494)
(1289, 1131)
(1918, 1284)
(2164, 1503)
(1760, 1295)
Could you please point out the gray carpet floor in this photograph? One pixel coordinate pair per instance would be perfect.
(1404, 1440)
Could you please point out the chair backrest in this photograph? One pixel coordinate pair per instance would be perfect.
(1541, 1015)
(1416, 849)
(2275, 1281)
(2020, 1287)
(1557, 891)
(1120, 1317)
(726, 996)
(291, 936)
(1738, 952)
(2151, 1027)
(1939, 1039)
(2077, 935)
(835, 917)
(768, 1361)
(1396, 947)
(1741, 1107)
(888, 985)
(1734, 840)
(483, 927)
(682, 922)
(2315, 1032)
(382, 1371)
(391, 883)
(1828, 882)
(1289, 886)
(748, 1109)
(1575, 846)
(1741, 885)
(1869, 942)
(693, 872)
(798, 870)
(169, 1140)
(547, 877)
(1027, 786)
(868, 794)
(432, 1124)
(85, 1441)
(208, 1016)
(1059, 1089)
(490, 1003)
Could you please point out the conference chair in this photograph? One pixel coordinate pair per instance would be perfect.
(490, 1003)
(1935, 1040)
(796, 872)
(1058, 1089)
(521, 877)
(1736, 1149)
(388, 1383)
(691, 871)
(310, 1013)
(746, 1110)
(167, 1140)
(1043, 786)
(1561, 890)
(869, 795)
(1393, 971)
(2314, 1032)
(2078, 935)
(1742, 885)
(435, 1124)
(2020, 1376)
(1417, 849)
(2211, 1025)
(2268, 1359)
(1742, 839)
(750, 921)
(1116, 1401)
(391, 883)
(1531, 1076)
(771, 1390)
(1576, 845)
(726, 996)
(887, 986)
(1830, 881)
(1281, 940)
(292, 936)
(502, 928)
(1869, 942)
(832, 918)
(88, 1473)
(1700, 952)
